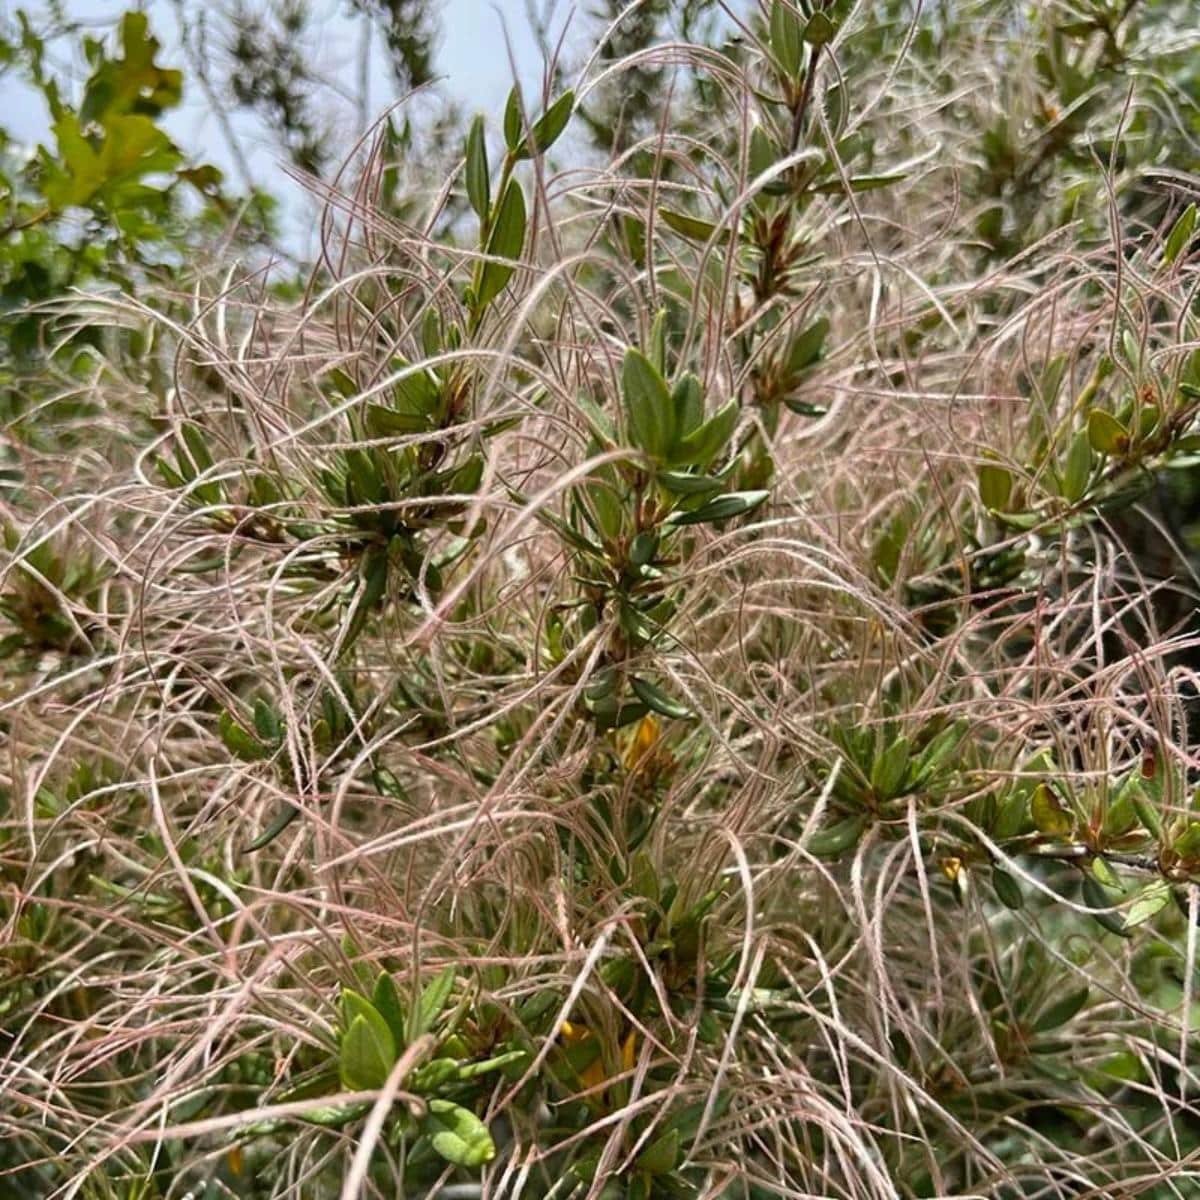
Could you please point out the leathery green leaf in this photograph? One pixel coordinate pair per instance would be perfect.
(647, 405)
(505, 242)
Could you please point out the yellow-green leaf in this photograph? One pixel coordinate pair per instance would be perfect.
(1049, 815)
(368, 1049)
(819, 29)
(239, 742)
(995, 486)
(1106, 434)
(1151, 900)
(458, 1135)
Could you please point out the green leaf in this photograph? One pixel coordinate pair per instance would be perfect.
(643, 877)
(619, 717)
(388, 422)
(764, 153)
(458, 1135)
(286, 815)
(479, 191)
(860, 183)
(1133, 351)
(819, 30)
(1095, 898)
(197, 447)
(837, 839)
(1052, 377)
(807, 347)
(168, 474)
(648, 405)
(1078, 468)
(386, 1000)
(107, 171)
(1149, 902)
(688, 397)
(342, 383)
(658, 342)
(787, 38)
(692, 228)
(371, 589)
(661, 1156)
(266, 722)
(1147, 812)
(939, 749)
(506, 241)
(1008, 890)
(805, 408)
(890, 768)
(605, 510)
(498, 1063)
(682, 483)
(1025, 520)
(1180, 235)
(1187, 845)
(643, 548)
(1050, 817)
(598, 420)
(734, 504)
(514, 122)
(995, 486)
(239, 742)
(707, 441)
(328, 1115)
(539, 1005)
(433, 1000)
(1011, 815)
(1061, 1011)
(657, 700)
(368, 1049)
(1106, 434)
(133, 82)
(434, 1075)
(549, 126)
(431, 326)
(1104, 873)
(367, 486)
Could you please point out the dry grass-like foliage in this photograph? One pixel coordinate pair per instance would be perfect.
(774, 887)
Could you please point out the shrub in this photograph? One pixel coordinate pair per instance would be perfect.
(663, 674)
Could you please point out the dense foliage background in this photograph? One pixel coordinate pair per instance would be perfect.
(661, 663)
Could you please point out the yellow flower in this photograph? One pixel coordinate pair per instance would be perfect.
(593, 1075)
(629, 1053)
(643, 741)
